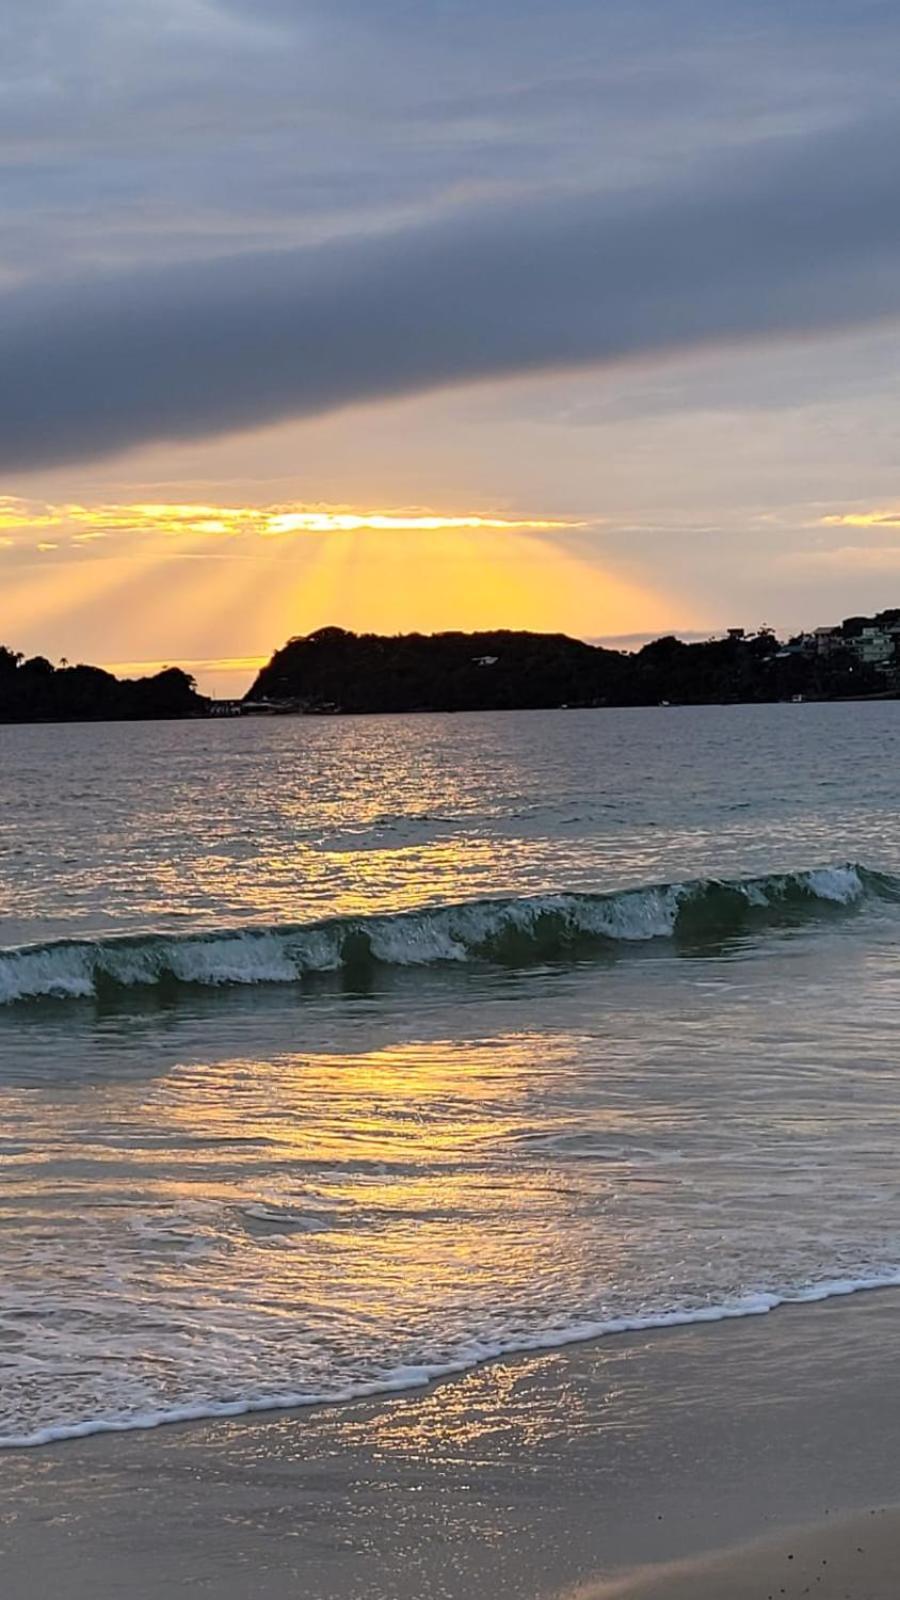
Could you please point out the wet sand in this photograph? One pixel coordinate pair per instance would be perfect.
(633, 1466)
(834, 1560)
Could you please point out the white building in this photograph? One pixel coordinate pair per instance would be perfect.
(827, 639)
(874, 646)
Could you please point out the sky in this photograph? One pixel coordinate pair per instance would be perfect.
(416, 314)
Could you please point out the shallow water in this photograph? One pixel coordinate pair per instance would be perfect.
(282, 1115)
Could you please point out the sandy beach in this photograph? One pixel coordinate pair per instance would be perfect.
(634, 1466)
(854, 1557)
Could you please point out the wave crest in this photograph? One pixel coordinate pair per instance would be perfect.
(505, 932)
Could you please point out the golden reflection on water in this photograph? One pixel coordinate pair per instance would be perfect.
(339, 881)
(393, 1178)
(377, 1100)
(314, 1221)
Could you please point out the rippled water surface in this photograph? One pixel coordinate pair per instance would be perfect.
(338, 1052)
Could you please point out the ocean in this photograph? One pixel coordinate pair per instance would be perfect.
(338, 1054)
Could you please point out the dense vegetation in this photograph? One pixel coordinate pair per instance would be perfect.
(35, 691)
(333, 670)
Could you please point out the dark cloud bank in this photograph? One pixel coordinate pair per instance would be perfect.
(798, 235)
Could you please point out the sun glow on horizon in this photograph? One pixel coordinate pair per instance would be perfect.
(147, 582)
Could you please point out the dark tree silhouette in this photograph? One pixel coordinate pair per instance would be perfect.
(36, 691)
(333, 670)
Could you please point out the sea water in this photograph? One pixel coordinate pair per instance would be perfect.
(336, 1054)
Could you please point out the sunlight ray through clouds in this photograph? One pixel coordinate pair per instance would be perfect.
(175, 581)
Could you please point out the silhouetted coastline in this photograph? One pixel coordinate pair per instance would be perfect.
(34, 690)
(334, 671)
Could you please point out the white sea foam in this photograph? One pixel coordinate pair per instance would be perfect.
(543, 926)
(416, 1376)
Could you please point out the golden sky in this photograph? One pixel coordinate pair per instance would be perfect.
(589, 504)
(609, 506)
(150, 581)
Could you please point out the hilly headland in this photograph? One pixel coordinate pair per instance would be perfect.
(334, 671)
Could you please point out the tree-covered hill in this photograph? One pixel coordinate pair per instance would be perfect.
(437, 672)
(333, 670)
(33, 690)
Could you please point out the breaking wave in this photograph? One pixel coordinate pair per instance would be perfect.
(512, 931)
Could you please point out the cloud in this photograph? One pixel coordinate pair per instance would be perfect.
(164, 130)
(199, 521)
(795, 236)
(857, 559)
(863, 519)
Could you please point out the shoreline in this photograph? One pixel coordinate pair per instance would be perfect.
(877, 697)
(638, 1465)
(394, 1387)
